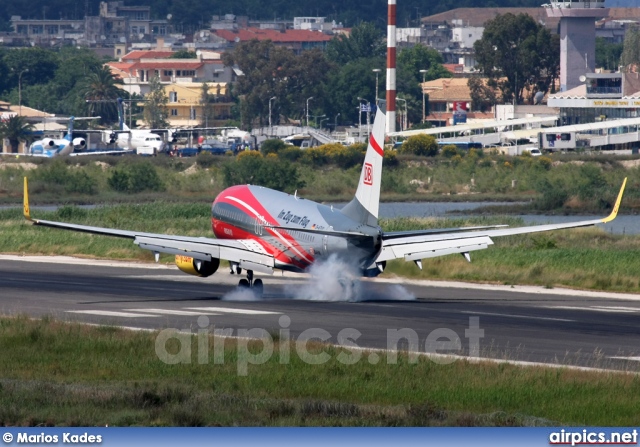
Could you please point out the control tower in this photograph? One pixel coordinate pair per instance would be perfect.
(577, 37)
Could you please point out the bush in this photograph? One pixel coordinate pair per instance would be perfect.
(424, 145)
(390, 159)
(269, 172)
(72, 180)
(290, 153)
(545, 162)
(449, 151)
(273, 146)
(136, 177)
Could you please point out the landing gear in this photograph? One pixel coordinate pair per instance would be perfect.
(250, 283)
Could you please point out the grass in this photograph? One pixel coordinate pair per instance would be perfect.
(56, 373)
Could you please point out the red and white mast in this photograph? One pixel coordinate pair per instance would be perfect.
(391, 67)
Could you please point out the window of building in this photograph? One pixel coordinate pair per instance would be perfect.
(134, 30)
(168, 73)
(173, 96)
(174, 112)
(193, 113)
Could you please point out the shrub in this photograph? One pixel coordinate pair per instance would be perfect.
(545, 162)
(72, 180)
(390, 159)
(272, 146)
(315, 156)
(205, 159)
(249, 154)
(424, 145)
(290, 153)
(136, 177)
(449, 151)
(269, 172)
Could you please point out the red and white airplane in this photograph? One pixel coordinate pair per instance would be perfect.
(259, 230)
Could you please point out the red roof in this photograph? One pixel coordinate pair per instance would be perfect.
(124, 66)
(147, 54)
(288, 36)
(179, 64)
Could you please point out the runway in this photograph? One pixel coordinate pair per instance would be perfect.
(593, 331)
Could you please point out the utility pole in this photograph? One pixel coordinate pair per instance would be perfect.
(376, 71)
(308, 99)
(271, 99)
(424, 110)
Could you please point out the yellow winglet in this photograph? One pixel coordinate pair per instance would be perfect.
(25, 201)
(614, 212)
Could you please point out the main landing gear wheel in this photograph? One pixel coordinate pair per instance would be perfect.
(250, 283)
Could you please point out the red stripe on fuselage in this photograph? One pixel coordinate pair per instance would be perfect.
(243, 193)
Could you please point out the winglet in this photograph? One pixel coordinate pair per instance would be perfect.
(27, 211)
(614, 212)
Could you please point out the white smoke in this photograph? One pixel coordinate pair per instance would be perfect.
(338, 280)
(241, 294)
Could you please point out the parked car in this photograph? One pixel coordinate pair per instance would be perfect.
(216, 149)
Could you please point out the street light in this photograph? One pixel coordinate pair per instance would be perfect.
(308, 99)
(315, 119)
(270, 99)
(322, 121)
(20, 89)
(404, 121)
(335, 123)
(376, 71)
(424, 74)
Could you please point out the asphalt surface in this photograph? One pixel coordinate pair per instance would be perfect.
(593, 331)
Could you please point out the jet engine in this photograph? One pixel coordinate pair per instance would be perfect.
(375, 270)
(48, 142)
(196, 267)
(79, 142)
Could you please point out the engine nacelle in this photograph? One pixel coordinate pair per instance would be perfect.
(79, 142)
(48, 142)
(196, 267)
(374, 271)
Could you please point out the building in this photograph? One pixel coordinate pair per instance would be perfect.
(114, 24)
(185, 109)
(137, 68)
(447, 96)
(577, 37)
(602, 96)
(296, 40)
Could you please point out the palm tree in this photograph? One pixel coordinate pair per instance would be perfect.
(14, 129)
(100, 90)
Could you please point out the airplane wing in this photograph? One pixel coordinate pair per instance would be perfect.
(248, 253)
(415, 247)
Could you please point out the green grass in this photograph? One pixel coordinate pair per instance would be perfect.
(54, 373)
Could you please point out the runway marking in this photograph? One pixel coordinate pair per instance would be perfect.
(111, 313)
(231, 310)
(628, 309)
(597, 309)
(172, 312)
(631, 358)
(531, 317)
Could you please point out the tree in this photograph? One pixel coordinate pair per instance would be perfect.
(271, 71)
(518, 54)
(155, 109)
(100, 91)
(207, 111)
(608, 54)
(631, 48)
(364, 41)
(184, 54)
(483, 96)
(14, 129)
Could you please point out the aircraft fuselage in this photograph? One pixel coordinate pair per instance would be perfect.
(249, 212)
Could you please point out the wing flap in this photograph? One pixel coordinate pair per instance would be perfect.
(430, 249)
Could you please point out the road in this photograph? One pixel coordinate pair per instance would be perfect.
(533, 326)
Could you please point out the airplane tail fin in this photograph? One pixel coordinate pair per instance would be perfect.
(121, 124)
(69, 135)
(364, 206)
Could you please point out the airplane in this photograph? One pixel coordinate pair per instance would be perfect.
(260, 230)
(52, 147)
